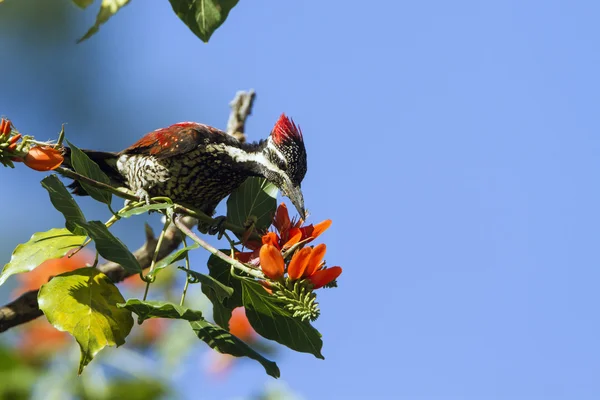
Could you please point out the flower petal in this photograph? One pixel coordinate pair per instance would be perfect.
(313, 231)
(299, 263)
(271, 261)
(43, 158)
(316, 259)
(320, 228)
(282, 219)
(295, 235)
(324, 276)
(271, 238)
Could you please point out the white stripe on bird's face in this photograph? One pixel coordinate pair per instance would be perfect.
(239, 155)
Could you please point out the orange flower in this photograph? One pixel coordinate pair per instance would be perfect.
(43, 158)
(305, 264)
(309, 265)
(271, 262)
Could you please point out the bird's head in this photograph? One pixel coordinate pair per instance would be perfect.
(285, 150)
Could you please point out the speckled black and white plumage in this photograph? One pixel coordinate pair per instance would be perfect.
(198, 166)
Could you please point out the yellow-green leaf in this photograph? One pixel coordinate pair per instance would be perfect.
(84, 303)
(42, 246)
(107, 10)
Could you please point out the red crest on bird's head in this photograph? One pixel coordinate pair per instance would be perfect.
(285, 130)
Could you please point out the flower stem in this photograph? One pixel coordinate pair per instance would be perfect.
(187, 276)
(235, 263)
(155, 256)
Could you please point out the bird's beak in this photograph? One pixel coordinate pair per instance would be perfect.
(295, 195)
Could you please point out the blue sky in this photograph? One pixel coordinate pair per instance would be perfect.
(453, 144)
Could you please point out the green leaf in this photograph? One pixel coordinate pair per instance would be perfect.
(83, 3)
(110, 247)
(172, 258)
(221, 272)
(42, 246)
(63, 201)
(257, 198)
(271, 320)
(108, 8)
(84, 303)
(144, 209)
(85, 166)
(221, 291)
(160, 309)
(224, 342)
(203, 17)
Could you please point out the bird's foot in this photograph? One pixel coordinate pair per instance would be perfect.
(142, 195)
(213, 228)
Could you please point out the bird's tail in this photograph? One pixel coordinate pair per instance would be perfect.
(107, 162)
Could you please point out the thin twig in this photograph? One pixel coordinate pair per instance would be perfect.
(235, 263)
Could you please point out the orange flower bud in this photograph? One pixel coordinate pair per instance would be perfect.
(299, 263)
(44, 158)
(324, 276)
(14, 138)
(5, 127)
(271, 261)
(316, 259)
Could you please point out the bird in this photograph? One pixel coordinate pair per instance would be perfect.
(197, 166)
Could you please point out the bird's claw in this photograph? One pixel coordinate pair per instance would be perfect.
(214, 228)
(143, 195)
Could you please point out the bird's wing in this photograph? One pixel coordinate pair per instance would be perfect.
(175, 140)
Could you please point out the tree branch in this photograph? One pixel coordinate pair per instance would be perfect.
(241, 108)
